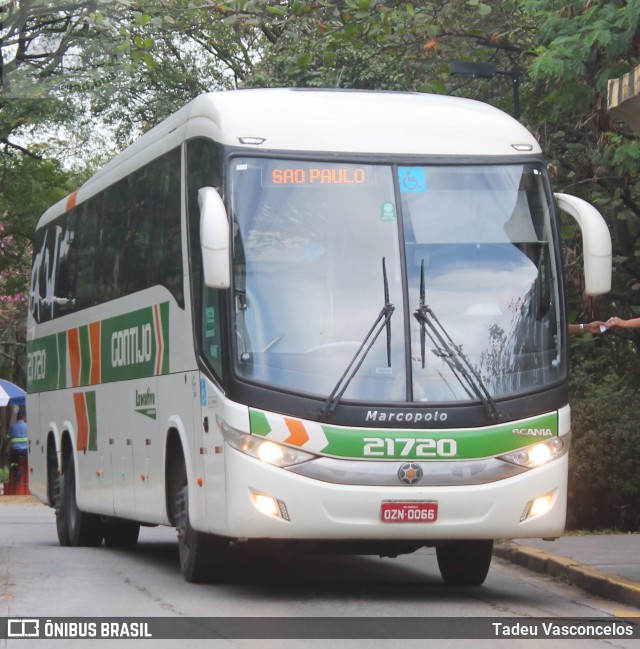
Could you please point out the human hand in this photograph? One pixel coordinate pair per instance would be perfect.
(596, 327)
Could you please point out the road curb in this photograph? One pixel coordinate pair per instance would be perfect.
(590, 579)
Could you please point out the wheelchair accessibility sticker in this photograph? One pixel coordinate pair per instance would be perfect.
(412, 180)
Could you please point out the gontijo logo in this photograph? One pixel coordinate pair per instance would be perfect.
(137, 344)
(128, 346)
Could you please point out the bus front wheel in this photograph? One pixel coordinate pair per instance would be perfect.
(202, 556)
(464, 563)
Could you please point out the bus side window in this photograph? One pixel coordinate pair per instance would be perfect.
(111, 230)
(86, 257)
(66, 264)
(37, 290)
(137, 231)
(166, 243)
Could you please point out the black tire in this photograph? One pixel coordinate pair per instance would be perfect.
(82, 529)
(61, 521)
(464, 563)
(53, 482)
(120, 533)
(202, 556)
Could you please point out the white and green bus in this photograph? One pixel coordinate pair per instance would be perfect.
(327, 318)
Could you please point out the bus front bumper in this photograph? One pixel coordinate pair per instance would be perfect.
(263, 501)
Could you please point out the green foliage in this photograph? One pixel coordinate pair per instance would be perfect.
(604, 472)
(27, 187)
(393, 45)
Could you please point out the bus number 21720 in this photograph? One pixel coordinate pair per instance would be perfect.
(409, 447)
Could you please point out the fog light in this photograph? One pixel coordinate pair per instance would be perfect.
(537, 507)
(266, 504)
(270, 506)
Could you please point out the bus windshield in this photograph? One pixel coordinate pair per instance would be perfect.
(463, 253)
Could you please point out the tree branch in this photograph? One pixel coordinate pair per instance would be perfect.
(12, 145)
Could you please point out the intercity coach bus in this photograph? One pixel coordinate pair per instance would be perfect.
(327, 318)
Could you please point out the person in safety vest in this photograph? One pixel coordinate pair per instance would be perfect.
(19, 440)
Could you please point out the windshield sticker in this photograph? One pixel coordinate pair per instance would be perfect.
(388, 212)
(210, 322)
(412, 180)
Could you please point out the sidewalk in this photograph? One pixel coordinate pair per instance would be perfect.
(607, 565)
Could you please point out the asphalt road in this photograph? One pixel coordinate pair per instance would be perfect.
(40, 579)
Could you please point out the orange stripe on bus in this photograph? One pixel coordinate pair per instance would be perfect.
(94, 338)
(83, 420)
(71, 201)
(298, 432)
(160, 348)
(74, 356)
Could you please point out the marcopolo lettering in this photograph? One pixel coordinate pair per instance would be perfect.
(406, 416)
(132, 346)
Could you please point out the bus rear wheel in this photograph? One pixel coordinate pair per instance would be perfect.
(75, 527)
(464, 563)
(202, 556)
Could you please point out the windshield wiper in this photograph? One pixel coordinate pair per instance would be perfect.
(383, 321)
(452, 354)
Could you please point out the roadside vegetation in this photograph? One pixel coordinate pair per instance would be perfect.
(82, 80)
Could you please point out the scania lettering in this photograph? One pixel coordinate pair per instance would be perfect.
(533, 432)
(348, 337)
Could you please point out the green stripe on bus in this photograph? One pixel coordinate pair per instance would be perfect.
(85, 355)
(93, 421)
(450, 444)
(133, 345)
(61, 359)
(258, 422)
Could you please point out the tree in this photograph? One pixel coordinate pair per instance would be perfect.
(27, 187)
(582, 45)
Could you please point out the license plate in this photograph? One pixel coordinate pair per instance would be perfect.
(413, 511)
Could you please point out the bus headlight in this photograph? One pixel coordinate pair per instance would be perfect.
(538, 454)
(264, 450)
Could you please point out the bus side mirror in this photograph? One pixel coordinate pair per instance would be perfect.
(596, 243)
(214, 238)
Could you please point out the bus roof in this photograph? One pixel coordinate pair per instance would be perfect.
(356, 121)
(326, 121)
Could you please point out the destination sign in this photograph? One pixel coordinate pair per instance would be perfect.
(318, 176)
